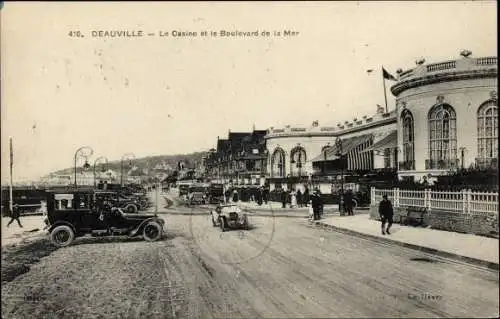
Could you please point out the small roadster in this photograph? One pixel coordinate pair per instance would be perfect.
(72, 214)
(229, 216)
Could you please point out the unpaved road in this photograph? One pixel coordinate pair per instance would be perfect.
(280, 268)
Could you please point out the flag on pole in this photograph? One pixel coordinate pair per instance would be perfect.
(387, 75)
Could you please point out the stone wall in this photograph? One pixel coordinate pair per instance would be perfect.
(485, 224)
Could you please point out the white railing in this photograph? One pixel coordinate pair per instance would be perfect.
(465, 201)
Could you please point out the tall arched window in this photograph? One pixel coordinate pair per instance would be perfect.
(408, 139)
(297, 160)
(487, 130)
(442, 137)
(278, 163)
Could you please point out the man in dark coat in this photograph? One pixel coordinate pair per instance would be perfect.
(348, 203)
(299, 198)
(306, 198)
(386, 213)
(316, 205)
(15, 215)
(284, 198)
(260, 195)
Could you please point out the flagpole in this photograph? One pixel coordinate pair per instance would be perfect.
(385, 90)
(11, 205)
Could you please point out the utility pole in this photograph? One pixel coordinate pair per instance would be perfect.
(11, 202)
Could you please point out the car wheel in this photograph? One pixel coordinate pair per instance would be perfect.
(152, 231)
(131, 208)
(222, 224)
(62, 236)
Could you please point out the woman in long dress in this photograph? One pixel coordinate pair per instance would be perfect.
(293, 202)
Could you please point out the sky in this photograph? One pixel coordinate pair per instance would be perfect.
(168, 95)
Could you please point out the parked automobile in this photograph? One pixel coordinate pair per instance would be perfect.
(73, 214)
(216, 193)
(229, 216)
(128, 204)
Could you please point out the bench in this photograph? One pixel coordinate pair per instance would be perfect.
(414, 216)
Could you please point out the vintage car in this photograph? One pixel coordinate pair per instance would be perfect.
(75, 213)
(197, 198)
(130, 205)
(229, 216)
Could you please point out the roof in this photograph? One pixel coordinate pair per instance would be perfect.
(348, 145)
(390, 141)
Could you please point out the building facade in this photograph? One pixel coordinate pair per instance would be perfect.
(239, 159)
(447, 116)
(304, 153)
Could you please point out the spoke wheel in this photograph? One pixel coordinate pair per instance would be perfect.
(62, 236)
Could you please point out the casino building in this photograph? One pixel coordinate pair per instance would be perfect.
(447, 116)
(313, 155)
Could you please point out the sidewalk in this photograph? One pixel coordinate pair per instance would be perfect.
(14, 234)
(464, 247)
(277, 207)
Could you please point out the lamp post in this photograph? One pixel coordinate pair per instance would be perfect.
(80, 152)
(462, 156)
(338, 144)
(95, 162)
(128, 156)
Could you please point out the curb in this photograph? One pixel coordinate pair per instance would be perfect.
(441, 253)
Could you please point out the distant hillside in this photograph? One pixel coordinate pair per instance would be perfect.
(147, 163)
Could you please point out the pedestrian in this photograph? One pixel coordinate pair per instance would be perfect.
(15, 215)
(260, 195)
(299, 198)
(316, 205)
(284, 198)
(386, 213)
(306, 198)
(235, 196)
(348, 203)
(293, 199)
(266, 195)
(311, 212)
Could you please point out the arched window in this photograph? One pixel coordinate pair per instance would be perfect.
(278, 163)
(442, 137)
(297, 160)
(408, 139)
(487, 130)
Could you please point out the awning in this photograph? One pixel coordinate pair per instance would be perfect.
(348, 144)
(390, 141)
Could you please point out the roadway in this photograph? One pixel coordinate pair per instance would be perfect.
(282, 267)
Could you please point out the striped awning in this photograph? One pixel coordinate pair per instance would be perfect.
(348, 145)
(390, 141)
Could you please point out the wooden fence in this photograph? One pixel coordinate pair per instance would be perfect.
(466, 201)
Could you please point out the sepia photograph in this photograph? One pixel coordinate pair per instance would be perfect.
(245, 159)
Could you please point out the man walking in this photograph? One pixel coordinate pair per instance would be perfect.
(386, 212)
(299, 198)
(316, 205)
(15, 215)
(348, 203)
(284, 198)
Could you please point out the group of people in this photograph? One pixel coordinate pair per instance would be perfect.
(259, 195)
(296, 197)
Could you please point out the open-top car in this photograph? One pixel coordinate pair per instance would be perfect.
(229, 216)
(75, 213)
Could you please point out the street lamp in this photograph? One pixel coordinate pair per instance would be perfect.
(95, 162)
(338, 144)
(80, 152)
(128, 156)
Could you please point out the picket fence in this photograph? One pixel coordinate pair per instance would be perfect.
(466, 201)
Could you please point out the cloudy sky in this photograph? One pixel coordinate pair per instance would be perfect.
(164, 95)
